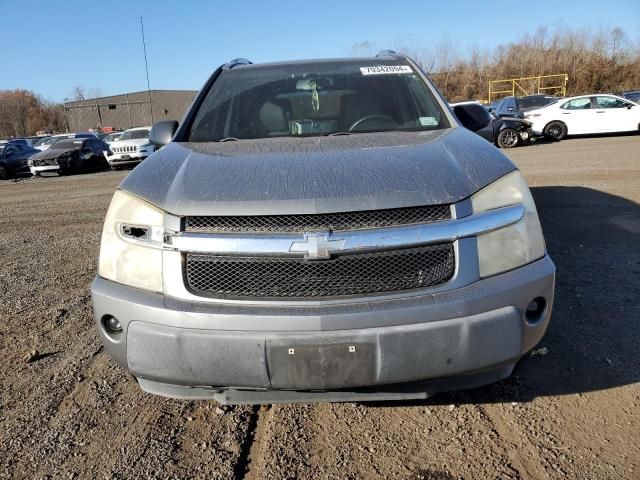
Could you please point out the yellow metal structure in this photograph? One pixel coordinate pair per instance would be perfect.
(529, 85)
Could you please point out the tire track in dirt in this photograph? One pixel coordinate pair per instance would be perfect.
(252, 467)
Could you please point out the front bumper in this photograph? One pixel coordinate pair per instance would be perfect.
(122, 159)
(451, 339)
(43, 168)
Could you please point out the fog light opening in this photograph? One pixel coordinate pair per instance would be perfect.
(536, 309)
(111, 324)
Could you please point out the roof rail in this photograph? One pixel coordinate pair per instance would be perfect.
(235, 62)
(389, 53)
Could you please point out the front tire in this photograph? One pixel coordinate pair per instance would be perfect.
(508, 138)
(555, 130)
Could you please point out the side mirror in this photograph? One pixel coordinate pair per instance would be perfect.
(472, 116)
(162, 132)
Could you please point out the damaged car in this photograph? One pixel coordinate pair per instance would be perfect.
(502, 132)
(324, 230)
(66, 157)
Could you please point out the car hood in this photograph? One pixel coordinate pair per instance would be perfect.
(317, 174)
(128, 143)
(52, 153)
(514, 122)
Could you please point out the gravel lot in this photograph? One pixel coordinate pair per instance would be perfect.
(67, 411)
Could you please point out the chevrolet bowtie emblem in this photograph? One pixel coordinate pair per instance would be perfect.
(317, 246)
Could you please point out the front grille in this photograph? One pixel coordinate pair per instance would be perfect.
(124, 149)
(324, 221)
(45, 163)
(289, 277)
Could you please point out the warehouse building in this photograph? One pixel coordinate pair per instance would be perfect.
(120, 112)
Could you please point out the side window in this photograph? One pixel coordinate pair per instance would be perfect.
(577, 104)
(610, 102)
(11, 150)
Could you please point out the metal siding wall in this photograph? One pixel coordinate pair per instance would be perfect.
(83, 115)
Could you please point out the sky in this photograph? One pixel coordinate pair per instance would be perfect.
(50, 47)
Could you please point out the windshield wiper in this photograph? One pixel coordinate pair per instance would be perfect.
(229, 139)
(337, 134)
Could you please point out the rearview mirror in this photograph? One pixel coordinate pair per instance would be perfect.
(472, 116)
(162, 132)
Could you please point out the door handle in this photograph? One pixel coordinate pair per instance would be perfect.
(600, 111)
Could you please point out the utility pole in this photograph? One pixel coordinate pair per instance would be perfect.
(146, 66)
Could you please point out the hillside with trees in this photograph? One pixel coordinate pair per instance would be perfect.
(596, 61)
(23, 113)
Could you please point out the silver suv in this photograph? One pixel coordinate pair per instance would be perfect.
(321, 231)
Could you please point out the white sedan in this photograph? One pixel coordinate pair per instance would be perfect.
(586, 114)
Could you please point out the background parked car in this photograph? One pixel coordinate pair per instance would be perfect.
(46, 144)
(20, 141)
(586, 114)
(132, 147)
(503, 132)
(70, 156)
(13, 159)
(517, 106)
(634, 96)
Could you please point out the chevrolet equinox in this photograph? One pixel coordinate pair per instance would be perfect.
(326, 230)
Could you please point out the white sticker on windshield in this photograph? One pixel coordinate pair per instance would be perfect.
(428, 121)
(385, 69)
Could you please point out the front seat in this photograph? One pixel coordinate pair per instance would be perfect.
(273, 119)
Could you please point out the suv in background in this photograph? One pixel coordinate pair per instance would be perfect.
(132, 147)
(516, 106)
(321, 230)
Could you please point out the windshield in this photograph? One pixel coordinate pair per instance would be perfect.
(66, 144)
(535, 102)
(313, 99)
(134, 134)
(52, 140)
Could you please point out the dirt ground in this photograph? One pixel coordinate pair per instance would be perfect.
(70, 412)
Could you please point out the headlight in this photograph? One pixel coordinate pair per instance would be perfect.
(517, 244)
(131, 248)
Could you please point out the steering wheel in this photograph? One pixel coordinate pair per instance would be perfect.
(368, 118)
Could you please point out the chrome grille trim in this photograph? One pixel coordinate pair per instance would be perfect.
(347, 241)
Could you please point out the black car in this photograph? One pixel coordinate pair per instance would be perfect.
(504, 132)
(20, 141)
(516, 106)
(13, 159)
(71, 156)
(633, 95)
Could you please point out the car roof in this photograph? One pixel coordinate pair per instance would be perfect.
(594, 95)
(136, 128)
(343, 60)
